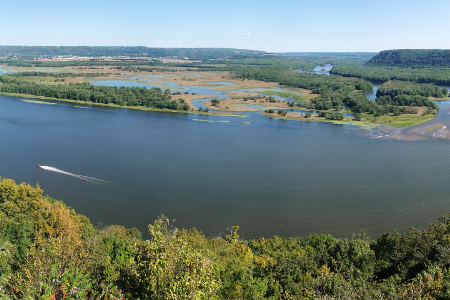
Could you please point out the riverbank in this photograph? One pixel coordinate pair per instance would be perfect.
(368, 121)
(242, 95)
(229, 104)
(312, 118)
(119, 106)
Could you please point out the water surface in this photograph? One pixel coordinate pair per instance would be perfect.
(269, 176)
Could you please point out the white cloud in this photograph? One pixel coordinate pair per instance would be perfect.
(248, 34)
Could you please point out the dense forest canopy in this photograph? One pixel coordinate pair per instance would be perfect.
(335, 92)
(342, 55)
(412, 58)
(440, 76)
(123, 96)
(48, 251)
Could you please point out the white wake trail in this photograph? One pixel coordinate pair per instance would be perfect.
(124, 188)
(83, 177)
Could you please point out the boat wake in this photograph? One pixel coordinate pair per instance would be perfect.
(82, 177)
(127, 189)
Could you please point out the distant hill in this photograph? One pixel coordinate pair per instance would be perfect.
(116, 51)
(411, 58)
(346, 55)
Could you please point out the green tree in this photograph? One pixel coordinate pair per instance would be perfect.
(169, 268)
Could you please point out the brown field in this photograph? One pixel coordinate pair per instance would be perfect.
(179, 77)
(188, 98)
(205, 78)
(228, 104)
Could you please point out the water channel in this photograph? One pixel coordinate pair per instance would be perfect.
(269, 176)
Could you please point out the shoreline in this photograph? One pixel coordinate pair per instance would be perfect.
(141, 108)
(348, 120)
(226, 106)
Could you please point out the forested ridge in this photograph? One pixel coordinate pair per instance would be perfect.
(48, 251)
(117, 51)
(82, 63)
(440, 76)
(412, 58)
(141, 51)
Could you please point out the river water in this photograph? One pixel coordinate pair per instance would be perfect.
(269, 176)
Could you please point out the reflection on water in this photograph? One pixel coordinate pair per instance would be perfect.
(372, 95)
(5, 70)
(319, 69)
(223, 83)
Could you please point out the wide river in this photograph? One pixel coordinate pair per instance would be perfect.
(269, 176)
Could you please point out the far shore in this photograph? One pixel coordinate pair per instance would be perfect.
(220, 81)
(119, 106)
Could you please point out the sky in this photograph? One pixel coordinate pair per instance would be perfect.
(267, 25)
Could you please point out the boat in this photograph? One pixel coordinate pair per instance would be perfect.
(39, 166)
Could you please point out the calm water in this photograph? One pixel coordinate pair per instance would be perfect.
(320, 69)
(269, 176)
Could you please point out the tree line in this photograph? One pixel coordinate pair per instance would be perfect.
(401, 93)
(71, 63)
(48, 251)
(334, 92)
(439, 76)
(123, 96)
(412, 58)
(55, 74)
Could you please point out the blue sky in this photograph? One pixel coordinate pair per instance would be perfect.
(268, 25)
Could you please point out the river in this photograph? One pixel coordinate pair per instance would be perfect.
(269, 176)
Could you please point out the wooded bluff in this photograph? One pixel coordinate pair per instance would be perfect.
(50, 252)
(412, 58)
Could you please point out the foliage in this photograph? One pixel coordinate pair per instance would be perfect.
(328, 92)
(401, 93)
(214, 102)
(412, 58)
(129, 96)
(440, 76)
(63, 257)
(167, 267)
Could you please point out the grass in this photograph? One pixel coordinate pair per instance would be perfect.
(312, 119)
(433, 128)
(368, 121)
(296, 97)
(38, 102)
(439, 99)
(397, 121)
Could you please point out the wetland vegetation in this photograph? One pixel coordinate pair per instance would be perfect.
(322, 96)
